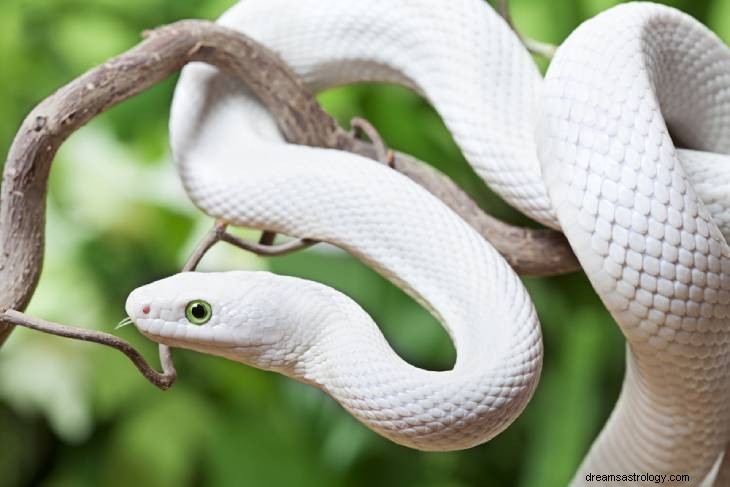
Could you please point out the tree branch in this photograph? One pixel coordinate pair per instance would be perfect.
(162, 380)
(299, 116)
(211, 238)
(268, 250)
(530, 251)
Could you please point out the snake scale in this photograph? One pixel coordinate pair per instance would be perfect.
(589, 150)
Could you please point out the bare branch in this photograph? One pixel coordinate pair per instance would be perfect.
(268, 250)
(162, 380)
(299, 116)
(540, 48)
(382, 153)
(530, 251)
(544, 49)
(219, 234)
(211, 238)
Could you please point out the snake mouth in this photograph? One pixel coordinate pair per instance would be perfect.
(183, 335)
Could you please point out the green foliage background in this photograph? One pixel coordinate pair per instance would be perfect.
(73, 414)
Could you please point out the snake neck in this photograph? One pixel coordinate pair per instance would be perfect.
(337, 347)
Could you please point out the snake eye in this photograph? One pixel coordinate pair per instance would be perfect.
(198, 312)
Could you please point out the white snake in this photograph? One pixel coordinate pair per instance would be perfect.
(587, 151)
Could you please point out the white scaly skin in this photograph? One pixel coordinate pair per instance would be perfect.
(663, 277)
(319, 336)
(644, 237)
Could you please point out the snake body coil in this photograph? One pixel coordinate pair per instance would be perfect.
(588, 151)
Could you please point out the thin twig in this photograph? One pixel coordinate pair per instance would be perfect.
(268, 250)
(360, 125)
(162, 380)
(539, 48)
(211, 238)
(544, 49)
(218, 233)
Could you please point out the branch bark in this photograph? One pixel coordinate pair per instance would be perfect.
(163, 379)
(299, 116)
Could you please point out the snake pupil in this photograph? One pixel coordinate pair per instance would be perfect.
(198, 312)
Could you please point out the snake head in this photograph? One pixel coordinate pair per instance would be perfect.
(231, 314)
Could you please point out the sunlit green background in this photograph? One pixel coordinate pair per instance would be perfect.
(74, 414)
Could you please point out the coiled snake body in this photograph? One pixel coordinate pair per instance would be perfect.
(587, 151)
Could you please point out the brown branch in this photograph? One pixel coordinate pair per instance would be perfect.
(382, 154)
(162, 380)
(268, 250)
(219, 234)
(167, 49)
(211, 238)
(530, 251)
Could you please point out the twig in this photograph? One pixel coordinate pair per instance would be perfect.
(162, 380)
(540, 48)
(361, 125)
(268, 250)
(219, 234)
(211, 238)
(544, 49)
